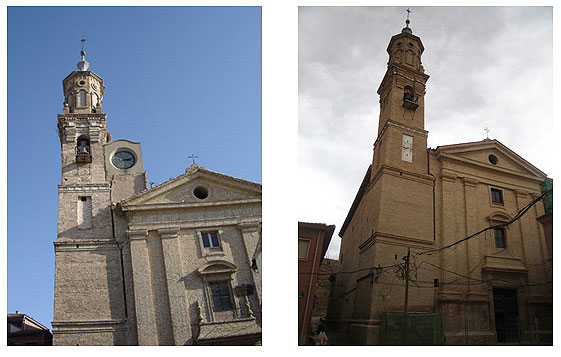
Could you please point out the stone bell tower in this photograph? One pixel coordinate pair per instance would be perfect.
(89, 299)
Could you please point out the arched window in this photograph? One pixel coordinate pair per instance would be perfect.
(82, 98)
(83, 151)
(408, 93)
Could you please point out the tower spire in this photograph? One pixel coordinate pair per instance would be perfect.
(83, 65)
(407, 22)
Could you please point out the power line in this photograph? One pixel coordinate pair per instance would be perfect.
(520, 213)
(399, 266)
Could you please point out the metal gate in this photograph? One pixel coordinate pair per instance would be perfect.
(507, 324)
(422, 328)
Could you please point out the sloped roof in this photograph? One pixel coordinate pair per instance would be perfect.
(356, 202)
(518, 163)
(193, 170)
(328, 234)
(455, 151)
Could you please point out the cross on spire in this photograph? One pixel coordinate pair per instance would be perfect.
(407, 21)
(83, 65)
(193, 156)
(82, 52)
(487, 130)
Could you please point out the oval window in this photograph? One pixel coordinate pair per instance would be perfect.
(200, 192)
(493, 159)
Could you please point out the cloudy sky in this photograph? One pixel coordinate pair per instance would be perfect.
(488, 66)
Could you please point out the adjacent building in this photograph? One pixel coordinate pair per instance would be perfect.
(23, 330)
(495, 287)
(313, 241)
(165, 265)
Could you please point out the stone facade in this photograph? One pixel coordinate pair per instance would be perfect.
(168, 265)
(495, 286)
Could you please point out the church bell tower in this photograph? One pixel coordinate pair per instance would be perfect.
(88, 301)
(399, 172)
(402, 107)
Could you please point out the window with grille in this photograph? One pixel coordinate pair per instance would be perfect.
(500, 241)
(497, 196)
(210, 240)
(221, 297)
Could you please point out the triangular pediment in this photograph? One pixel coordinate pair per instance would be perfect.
(197, 186)
(481, 153)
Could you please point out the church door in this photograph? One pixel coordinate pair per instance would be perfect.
(506, 315)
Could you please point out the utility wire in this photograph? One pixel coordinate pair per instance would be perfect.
(515, 218)
(398, 266)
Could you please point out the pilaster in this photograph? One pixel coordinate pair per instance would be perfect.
(143, 298)
(448, 256)
(179, 304)
(250, 237)
(473, 247)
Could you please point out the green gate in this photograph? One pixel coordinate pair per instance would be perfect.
(423, 328)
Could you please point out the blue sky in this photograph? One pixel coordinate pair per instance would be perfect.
(180, 80)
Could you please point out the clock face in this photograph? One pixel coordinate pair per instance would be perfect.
(407, 148)
(123, 160)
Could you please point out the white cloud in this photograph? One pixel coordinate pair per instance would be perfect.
(489, 67)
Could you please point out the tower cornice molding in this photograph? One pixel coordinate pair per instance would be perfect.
(82, 116)
(84, 187)
(400, 71)
(389, 123)
(81, 74)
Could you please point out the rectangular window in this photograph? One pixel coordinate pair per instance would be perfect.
(82, 98)
(303, 248)
(84, 212)
(500, 241)
(210, 240)
(221, 299)
(497, 196)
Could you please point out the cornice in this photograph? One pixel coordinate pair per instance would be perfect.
(84, 187)
(393, 239)
(187, 205)
(82, 116)
(137, 229)
(390, 122)
(76, 244)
